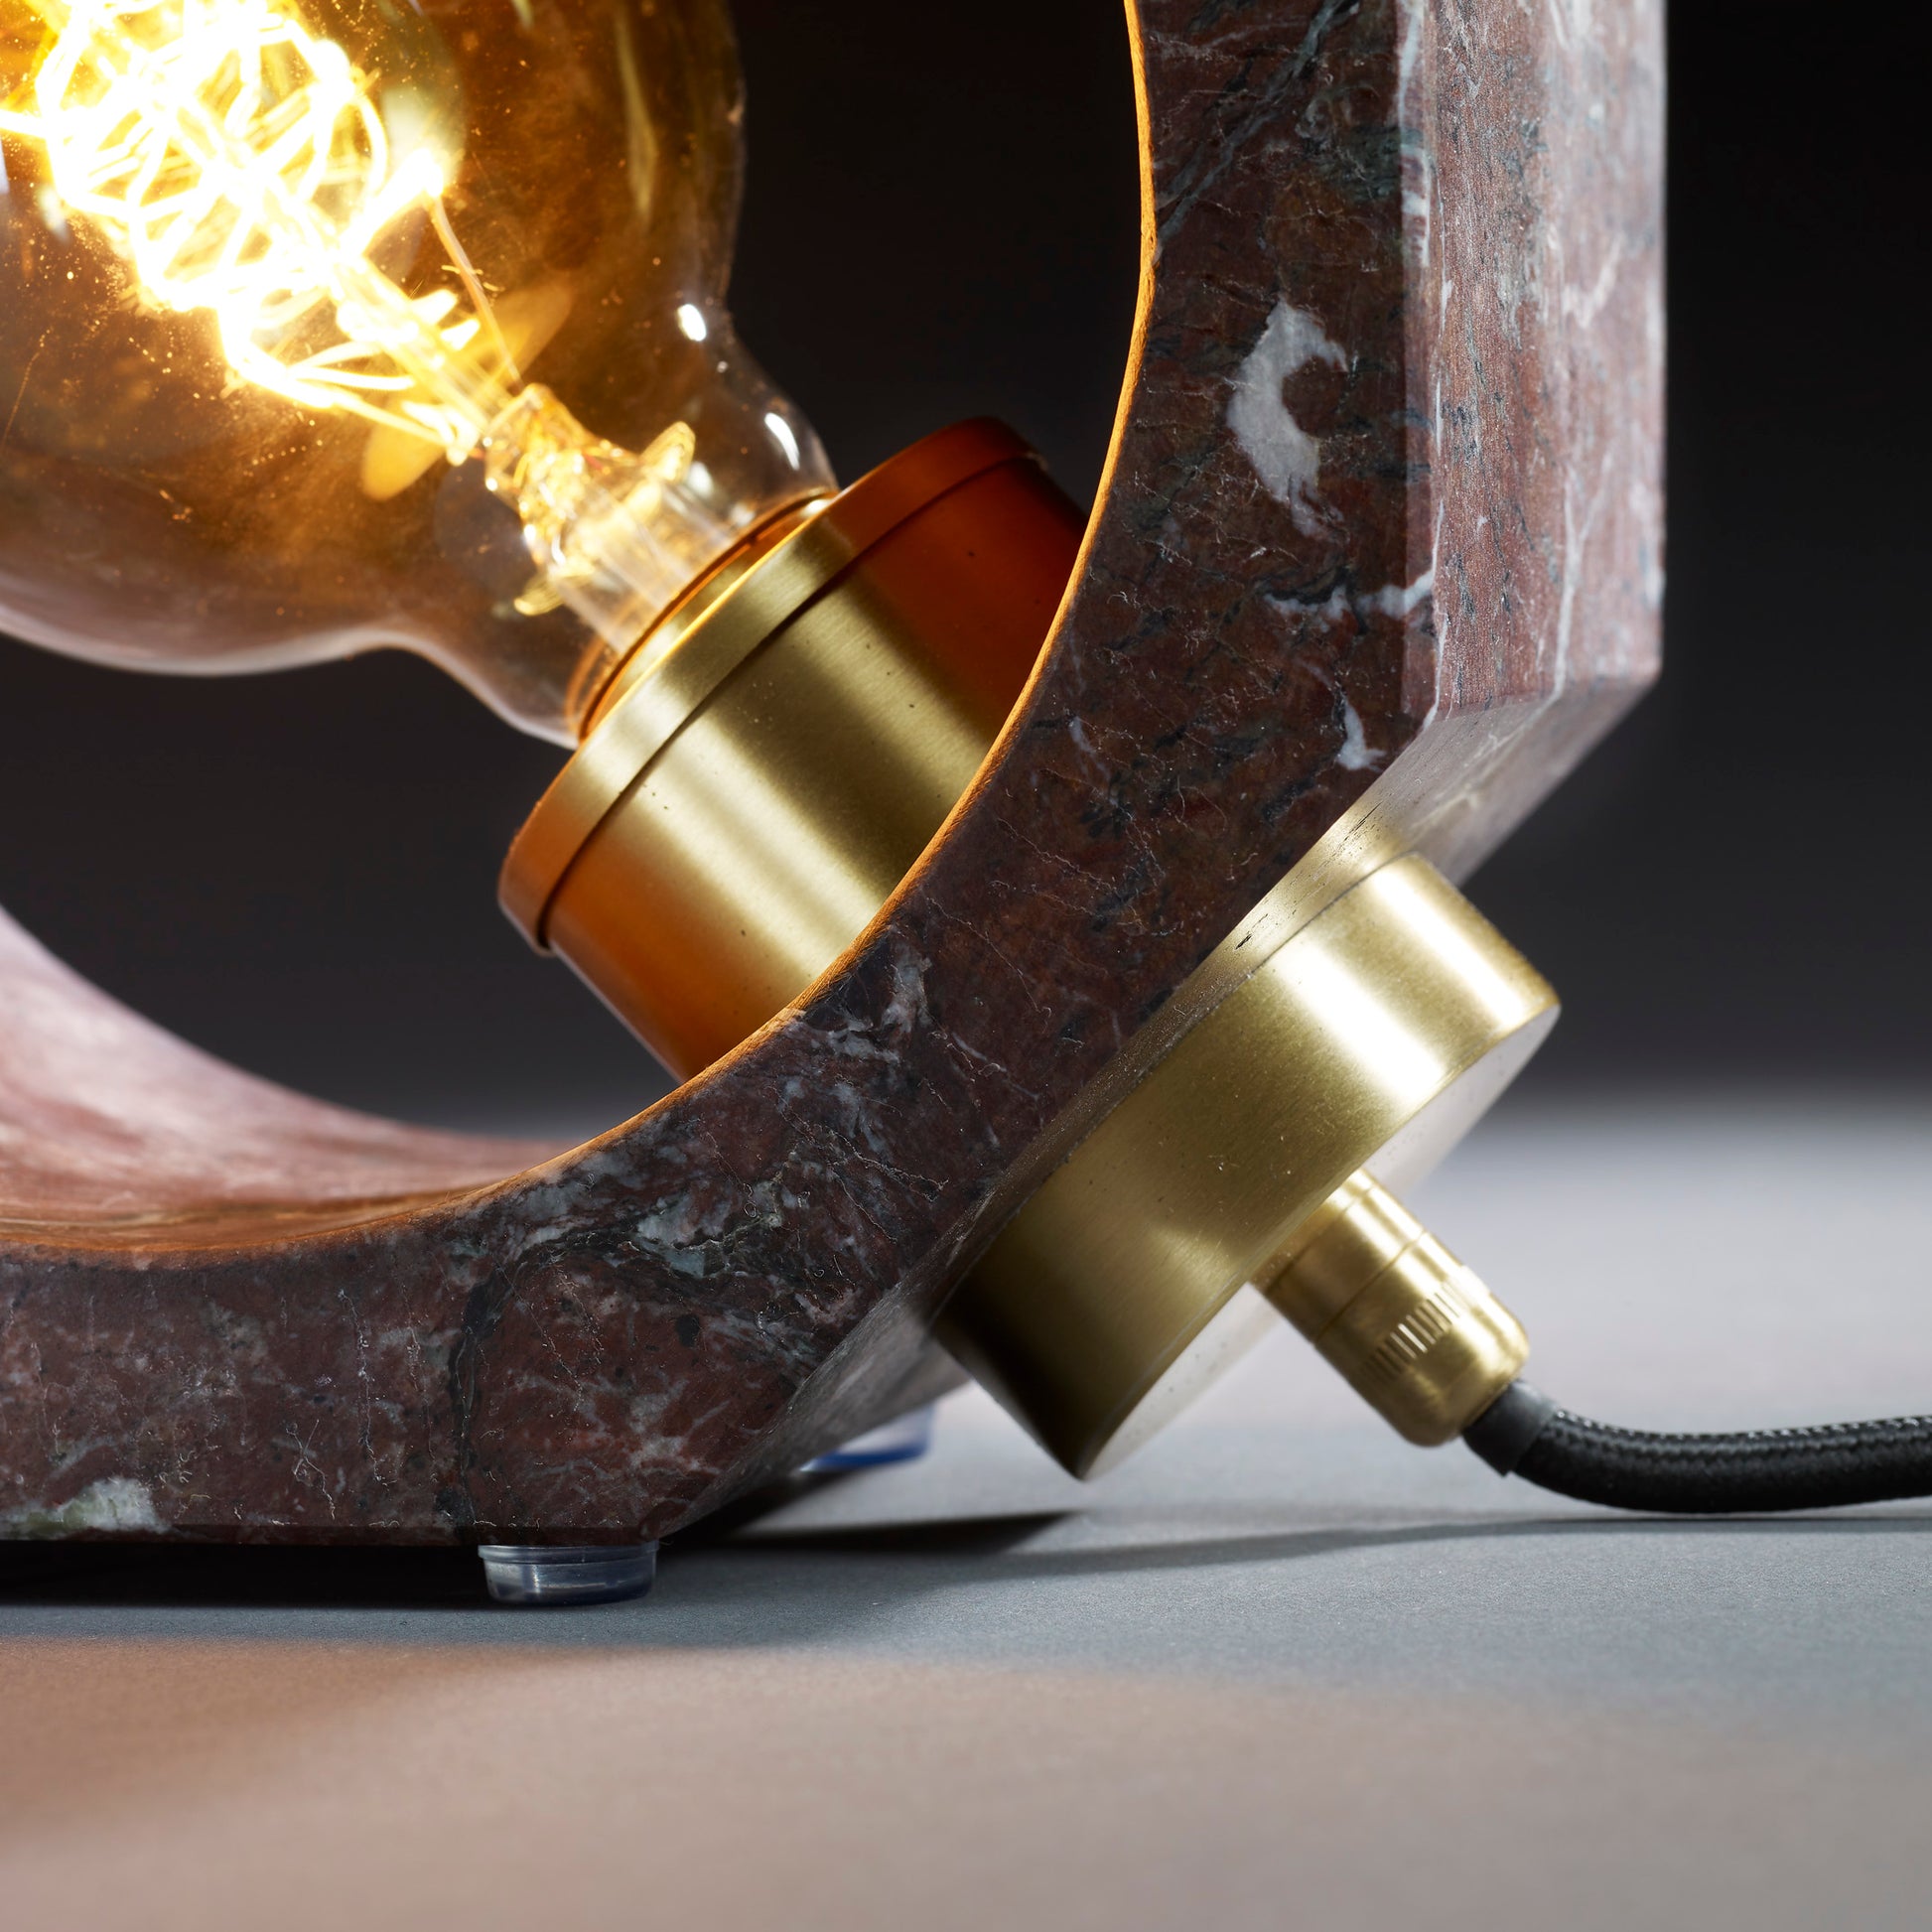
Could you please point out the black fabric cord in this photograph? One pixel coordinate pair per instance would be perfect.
(1523, 1433)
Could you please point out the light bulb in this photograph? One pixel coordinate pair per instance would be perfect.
(332, 325)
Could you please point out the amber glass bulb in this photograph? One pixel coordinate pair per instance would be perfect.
(331, 324)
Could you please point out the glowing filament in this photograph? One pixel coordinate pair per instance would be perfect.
(237, 164)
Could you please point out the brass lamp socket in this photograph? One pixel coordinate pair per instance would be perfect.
(773, 757)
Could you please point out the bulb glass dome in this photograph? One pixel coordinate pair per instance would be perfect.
(331, 323)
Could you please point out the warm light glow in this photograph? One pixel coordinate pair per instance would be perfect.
(237, 164)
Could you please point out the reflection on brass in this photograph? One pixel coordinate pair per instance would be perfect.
(1412, 1331)
(772, 762)
(1375, 1033)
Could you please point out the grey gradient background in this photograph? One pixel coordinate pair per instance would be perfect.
(298, 872)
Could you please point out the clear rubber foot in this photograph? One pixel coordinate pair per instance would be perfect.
(544, 1575)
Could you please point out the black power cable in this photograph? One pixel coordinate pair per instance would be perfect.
(1523, 1433)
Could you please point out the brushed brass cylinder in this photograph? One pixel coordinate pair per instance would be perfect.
(768, 767)
(1377, 1032)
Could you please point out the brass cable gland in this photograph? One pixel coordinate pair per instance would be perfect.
(1412, 1331)
(771, 760)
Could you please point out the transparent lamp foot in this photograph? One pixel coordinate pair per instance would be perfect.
(541, 1575)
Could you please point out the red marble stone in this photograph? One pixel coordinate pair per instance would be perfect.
(1377, 557)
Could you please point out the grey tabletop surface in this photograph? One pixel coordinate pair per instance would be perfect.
(1277, 1669)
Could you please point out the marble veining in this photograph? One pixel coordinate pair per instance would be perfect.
(1286, 459)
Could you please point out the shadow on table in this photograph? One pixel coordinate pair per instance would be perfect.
(996, 1545)
(730, 1580)
(285, 1577)
(226, 1576)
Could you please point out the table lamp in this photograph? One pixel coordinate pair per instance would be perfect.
(331, 326)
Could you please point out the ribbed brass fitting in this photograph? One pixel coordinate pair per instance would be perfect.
(1413, 1331)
